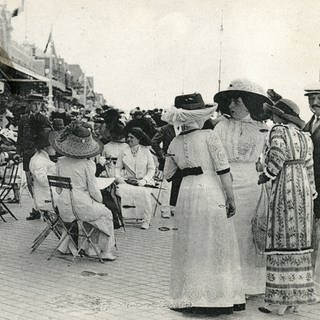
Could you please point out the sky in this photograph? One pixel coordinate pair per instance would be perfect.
(145, 52)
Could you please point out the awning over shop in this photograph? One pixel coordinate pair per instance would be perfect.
(28, 73)
(24, 70)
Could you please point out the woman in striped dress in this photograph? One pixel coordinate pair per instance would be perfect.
(289, 165)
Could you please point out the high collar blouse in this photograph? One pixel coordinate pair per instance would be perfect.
(243, 140)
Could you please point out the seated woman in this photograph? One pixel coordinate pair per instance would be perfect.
(136, 165)
(77, 146)
(40, 163)
(113, 148)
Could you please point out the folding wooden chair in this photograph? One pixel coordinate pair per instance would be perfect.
(7, 184)
(54, 224)
(65, 183)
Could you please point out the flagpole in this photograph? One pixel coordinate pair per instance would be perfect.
(84, 90)
(50, 96)
(220, 51)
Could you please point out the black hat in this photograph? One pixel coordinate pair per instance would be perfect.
(189, 101)
(286, 109)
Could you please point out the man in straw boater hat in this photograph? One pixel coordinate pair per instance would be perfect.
(243, 136)
(78, 146)
(206, 272)
(313, 127)
(289, 165)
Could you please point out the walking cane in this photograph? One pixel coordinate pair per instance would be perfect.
(157, 199)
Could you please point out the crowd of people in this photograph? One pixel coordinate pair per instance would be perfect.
(216, 163)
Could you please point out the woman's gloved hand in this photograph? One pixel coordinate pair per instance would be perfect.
(263, 178)
(142, 182)
(119, 180)
(102, 160)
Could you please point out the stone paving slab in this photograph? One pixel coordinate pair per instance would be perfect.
(133, 287)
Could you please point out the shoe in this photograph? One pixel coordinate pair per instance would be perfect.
(165, 214)
(280, 311)
(34, 215)
(293, 309)
(108, 257)
(264, 310)
(145, 226)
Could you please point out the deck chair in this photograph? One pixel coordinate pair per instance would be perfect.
(7, 185)
(85, 228)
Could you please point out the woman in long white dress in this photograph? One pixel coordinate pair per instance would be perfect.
(205, 263)
(78, 146)
(243, 138)
(135, 163)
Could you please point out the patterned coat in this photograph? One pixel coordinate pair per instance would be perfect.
(315, 136)
(289, 163)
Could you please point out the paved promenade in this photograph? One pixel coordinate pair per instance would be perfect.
(134, 287)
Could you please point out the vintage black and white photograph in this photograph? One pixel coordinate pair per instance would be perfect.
(159, 159)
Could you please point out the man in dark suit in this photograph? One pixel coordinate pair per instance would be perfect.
(26, 144)
(313, 126)
(165, 135)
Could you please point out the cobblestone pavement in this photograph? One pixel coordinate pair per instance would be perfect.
(135, 286)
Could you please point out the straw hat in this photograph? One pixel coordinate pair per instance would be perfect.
(76, 141)
(313, 88)
(251, 91)
(286, 109)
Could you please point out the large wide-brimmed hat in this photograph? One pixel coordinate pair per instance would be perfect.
(76, 141)
(285, 109)
(250, 91)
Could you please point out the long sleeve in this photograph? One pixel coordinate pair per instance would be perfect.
(155, 142)
(42, 172)
(310, 172)
(150, 167)
(170, 166)
(275, 156)
(41, 167)
(20, 136)
(119, 166)
(94, 192)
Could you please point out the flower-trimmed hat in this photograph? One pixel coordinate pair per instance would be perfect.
(287, 110)
(250, 91)
(76, 141)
